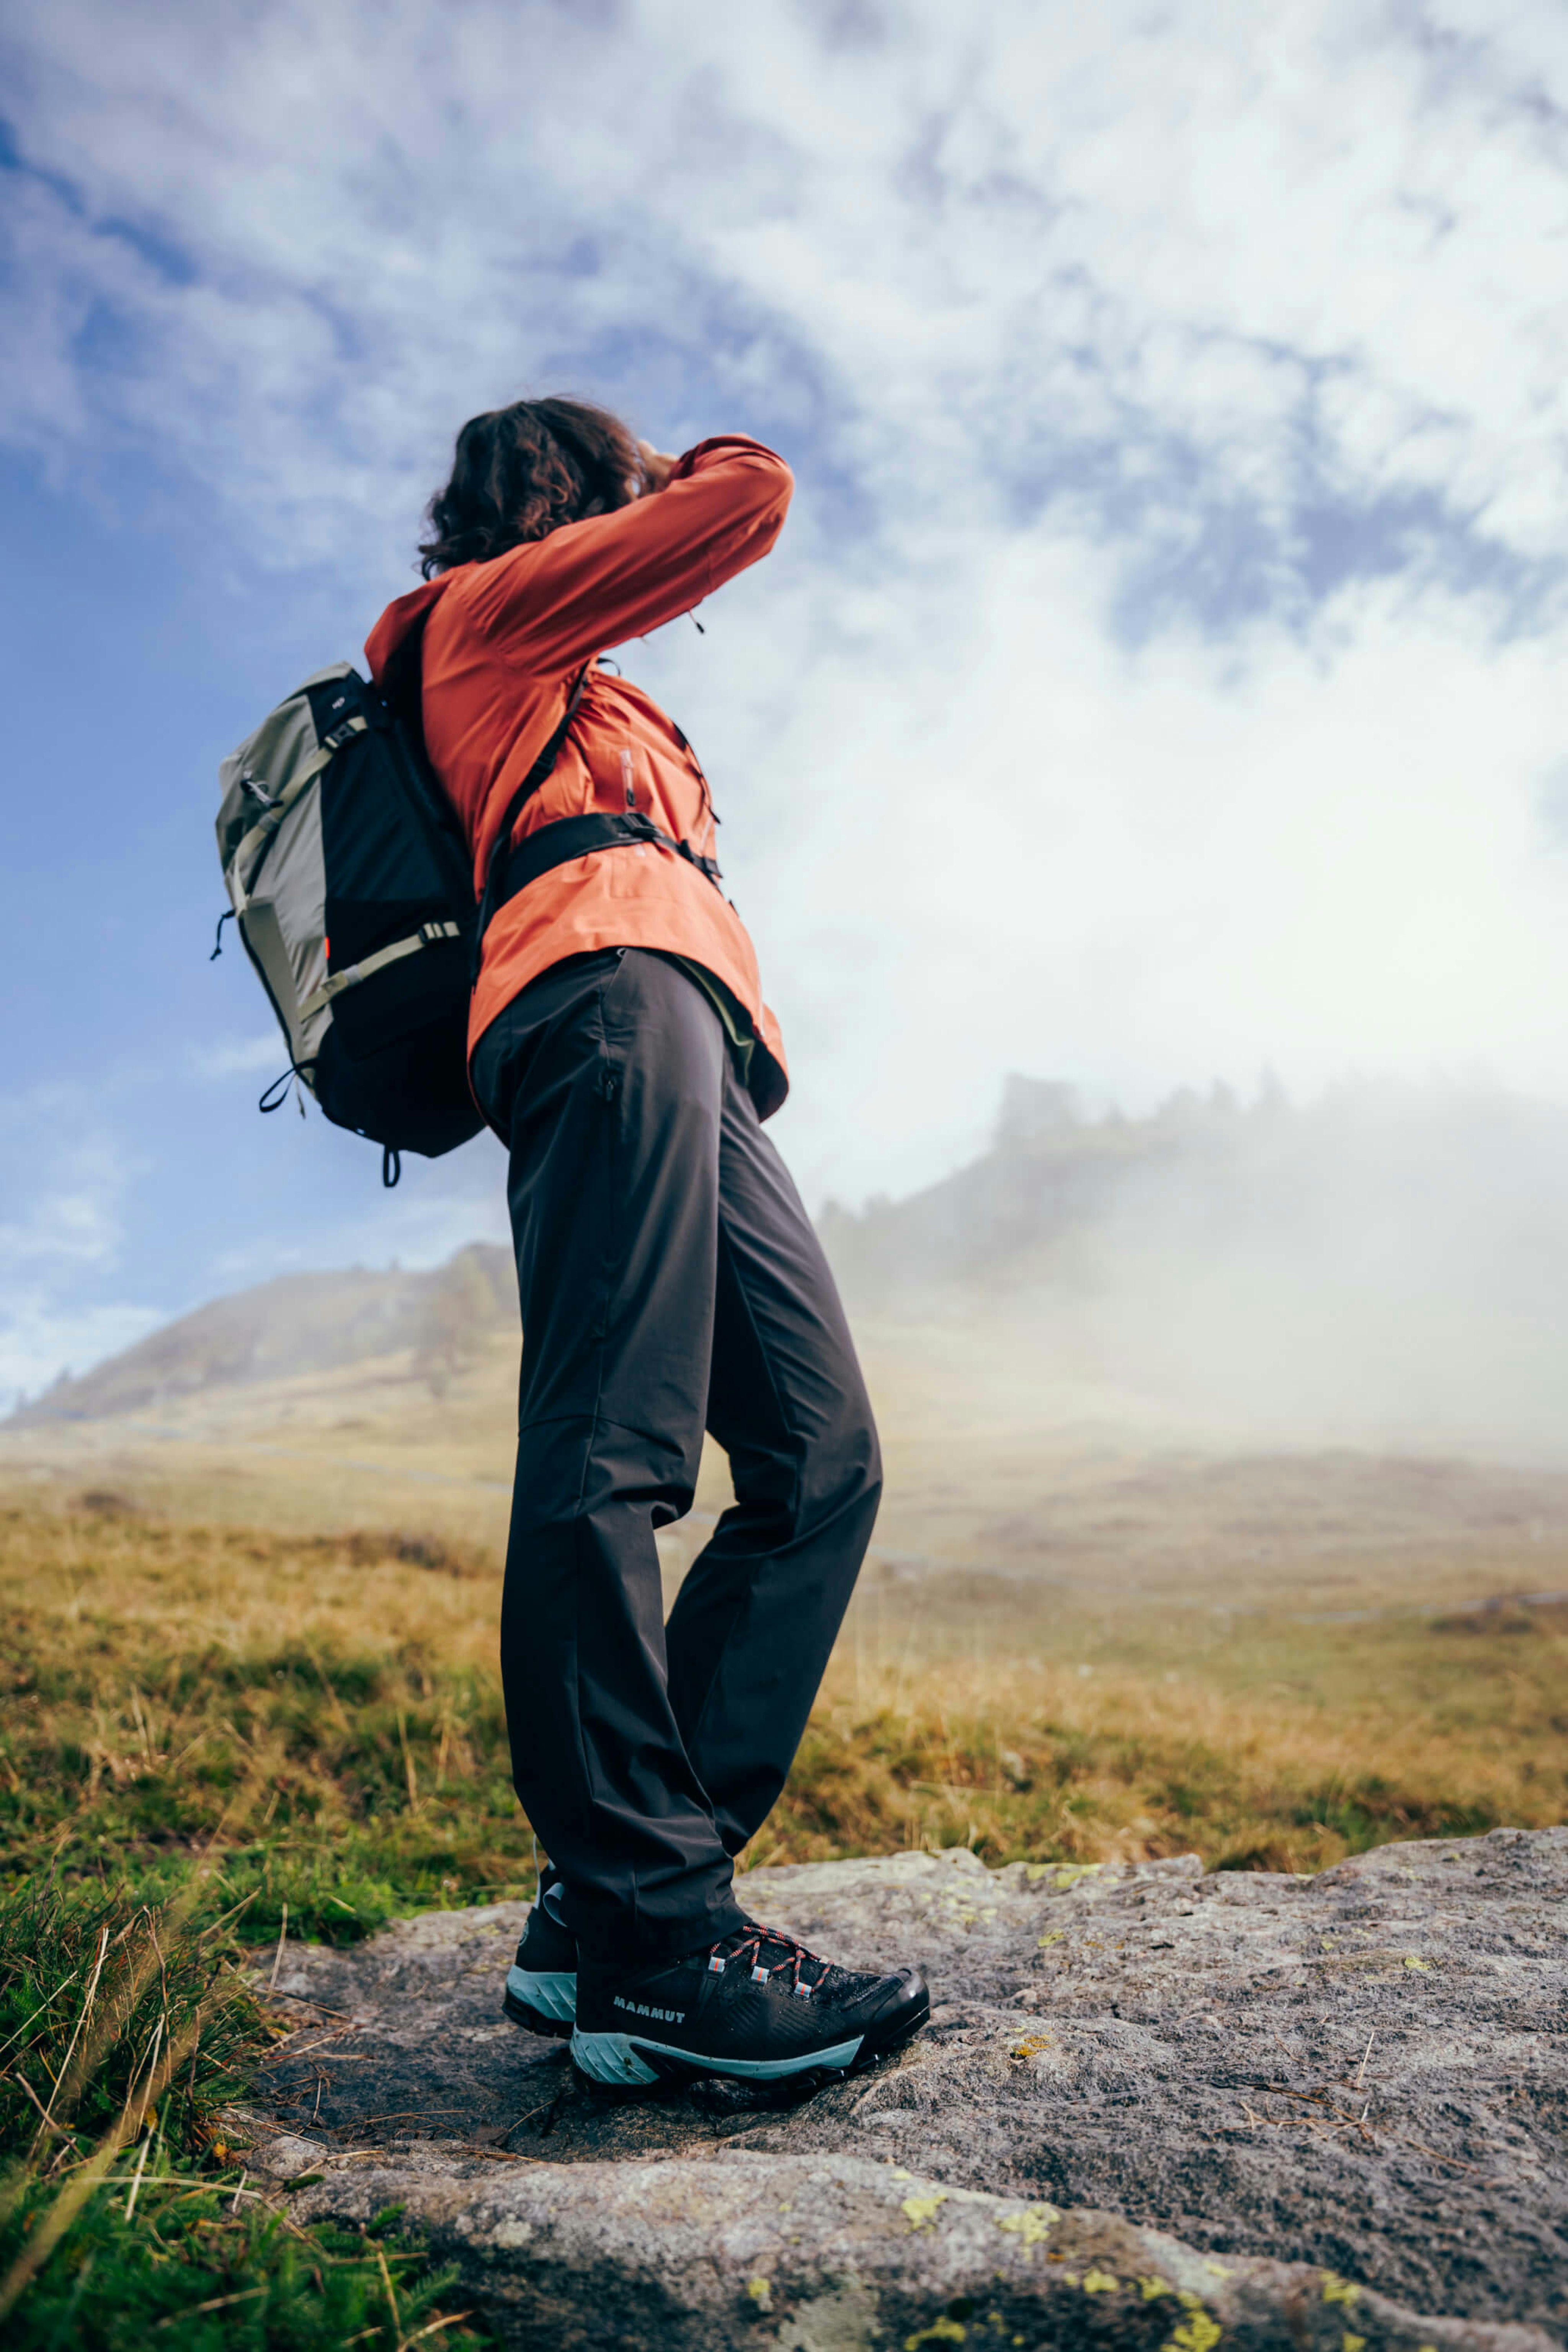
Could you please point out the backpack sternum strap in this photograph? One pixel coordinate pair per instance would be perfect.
(428, 935)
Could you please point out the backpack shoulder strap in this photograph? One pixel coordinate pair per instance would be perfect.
(515, 806)
(401, 685)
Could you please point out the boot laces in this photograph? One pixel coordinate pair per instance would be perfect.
(760, 1945)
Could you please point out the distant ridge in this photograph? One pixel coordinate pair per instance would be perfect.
(298, 1323)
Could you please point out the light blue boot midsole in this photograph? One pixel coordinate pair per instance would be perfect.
(553, 1992)
(618, 2058)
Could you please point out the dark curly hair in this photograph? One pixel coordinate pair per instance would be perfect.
(520, 472)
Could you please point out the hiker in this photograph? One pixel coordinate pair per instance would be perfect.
(670, 1279)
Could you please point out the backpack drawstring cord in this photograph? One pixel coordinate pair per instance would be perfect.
(277, 1093)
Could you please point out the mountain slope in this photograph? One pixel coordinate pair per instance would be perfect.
(298, 1323)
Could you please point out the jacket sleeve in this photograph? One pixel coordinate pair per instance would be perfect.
(552, 605)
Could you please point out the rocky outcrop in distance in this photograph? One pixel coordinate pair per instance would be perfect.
(1398, 1184)
(1154, 2108)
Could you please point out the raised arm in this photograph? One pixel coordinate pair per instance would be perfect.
(552, 604)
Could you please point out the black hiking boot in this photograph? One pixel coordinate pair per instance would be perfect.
(756, 2005)
(541, 1983)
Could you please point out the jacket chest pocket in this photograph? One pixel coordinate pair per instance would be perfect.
(614, 778)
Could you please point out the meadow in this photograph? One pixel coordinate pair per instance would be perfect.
(218, 1734)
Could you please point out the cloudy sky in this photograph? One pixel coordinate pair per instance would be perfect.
(1160, 675)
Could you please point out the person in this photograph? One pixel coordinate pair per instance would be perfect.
(670, 1280)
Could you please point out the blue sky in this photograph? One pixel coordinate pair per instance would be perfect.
(1159, 676)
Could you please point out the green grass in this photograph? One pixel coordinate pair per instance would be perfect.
(126, 2034)
(159, 1696)
(189, 2268)
(350, 1784)
(93, 1989)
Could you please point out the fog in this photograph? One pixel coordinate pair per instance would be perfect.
(1384, 1267)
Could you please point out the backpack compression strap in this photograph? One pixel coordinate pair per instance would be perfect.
(428, 935)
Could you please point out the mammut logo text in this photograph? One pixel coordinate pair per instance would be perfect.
(641, 2008)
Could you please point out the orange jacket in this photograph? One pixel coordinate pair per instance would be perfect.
(504, 642)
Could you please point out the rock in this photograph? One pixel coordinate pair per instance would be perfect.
(1151, 2104)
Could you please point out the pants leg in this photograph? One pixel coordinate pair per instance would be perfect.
(609, 1075)
(755, 1620)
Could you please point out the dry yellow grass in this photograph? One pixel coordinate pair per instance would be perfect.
(158, 1672)
(1043, 1762)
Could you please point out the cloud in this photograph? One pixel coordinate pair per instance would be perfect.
(240, 1057)
(64, 1179)
(1122, 866)
(1158, 675)
(1172, 272)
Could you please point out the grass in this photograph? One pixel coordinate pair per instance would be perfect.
(1260, 1742)
(231, 2276)
(332, 1706)
(126, 2031)
(160, 1786)
(212, 1734)
(165, 1680)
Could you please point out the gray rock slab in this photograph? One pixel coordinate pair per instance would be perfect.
(1354, 2085)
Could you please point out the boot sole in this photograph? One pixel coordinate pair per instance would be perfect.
(624, 2061)
(544, 2004)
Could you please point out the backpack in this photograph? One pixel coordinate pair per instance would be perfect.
(351, 886)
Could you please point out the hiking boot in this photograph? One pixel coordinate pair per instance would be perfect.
(541, 1983)
(756, 2004)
